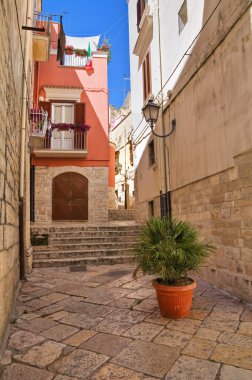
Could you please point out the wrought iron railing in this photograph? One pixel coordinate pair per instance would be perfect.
(72, 139)
(39, 122)
(42, 20)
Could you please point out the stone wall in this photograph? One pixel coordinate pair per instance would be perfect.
(121, 215)
(97, 191)
(221, 207)
(10, 113)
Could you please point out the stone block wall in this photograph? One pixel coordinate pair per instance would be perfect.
(97, 191)
(121, 215)
(10, 113)
(221, 207)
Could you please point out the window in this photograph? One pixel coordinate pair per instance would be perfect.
(151, 209)
(117, 155)
(140, 10)
(63, 113)
(152, 159)
(182, 16)
(146, 77)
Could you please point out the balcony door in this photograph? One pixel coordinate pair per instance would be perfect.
(62, 113)
(70, 197)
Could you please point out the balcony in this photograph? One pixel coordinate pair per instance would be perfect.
(64, 140)
(41, 40)
(38, 122)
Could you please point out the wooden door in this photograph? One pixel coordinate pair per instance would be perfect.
(70, 197)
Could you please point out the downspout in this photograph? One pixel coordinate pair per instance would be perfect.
(23, 142)
(164, 164)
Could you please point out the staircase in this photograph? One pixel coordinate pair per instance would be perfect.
(73, 246)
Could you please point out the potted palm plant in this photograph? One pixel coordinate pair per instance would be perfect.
(168, 249)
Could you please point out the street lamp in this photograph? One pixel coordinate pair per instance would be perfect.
(150, 112)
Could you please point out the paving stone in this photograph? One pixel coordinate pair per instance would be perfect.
(30, 316)
(142, 293)
(208, 334)
(37, 325)
(228, 372)
(43, 355)
(247, 315)
(132, 285)
(113, 372)
(22, 340)
(51, 309)
(234, 355)
(79, 363)
(200, 314)
(236, 340)
(224, 315)
(59, 332)
(89, 308)
(147, 357)
(124, 303)
(58, 315)
(245, 328)
(113, 327)
(92, 284)
(80, 337)
(37, 304)
(107, 344)
(23, 309)
(5, 358)
(24, 297)
(23, 372)
(194, 369)
(40, 292)
(149, 305)
(157, 318)
(99, 296)
(199, 348)
(143, 331)
(173, 338)
(62, 377)
(54, 297)
(84, 321)
(214, 324)
(186, 325)
(130, 316)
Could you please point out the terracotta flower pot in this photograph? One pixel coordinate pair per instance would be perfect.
(175, 301)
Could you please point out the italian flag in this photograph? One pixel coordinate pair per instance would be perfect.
(89, 65)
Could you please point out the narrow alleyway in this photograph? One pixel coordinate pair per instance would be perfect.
(99, 324)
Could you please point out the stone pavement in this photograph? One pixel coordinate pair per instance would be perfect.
(100, 324)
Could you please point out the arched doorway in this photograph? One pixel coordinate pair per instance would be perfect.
(70, 197)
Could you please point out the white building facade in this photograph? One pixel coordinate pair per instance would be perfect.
(195, 58)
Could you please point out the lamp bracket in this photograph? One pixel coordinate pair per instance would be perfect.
(173, 123)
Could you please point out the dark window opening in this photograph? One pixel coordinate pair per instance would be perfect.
(152, 159)
(182, 16)
(146, 76)
(140, 10)
(151, 209)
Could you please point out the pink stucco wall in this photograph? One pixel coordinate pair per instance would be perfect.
(94, 95)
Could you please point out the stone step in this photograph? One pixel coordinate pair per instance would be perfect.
(100, 233)
(95, 228)
(82, 261)
(60, 254)
(56, 241)
(93, 245)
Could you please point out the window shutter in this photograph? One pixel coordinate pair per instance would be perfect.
(79, 113)
(46, 107)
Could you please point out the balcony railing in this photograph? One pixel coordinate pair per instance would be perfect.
(42, 20)
(38, 122)
(73, 60)
(65, 140)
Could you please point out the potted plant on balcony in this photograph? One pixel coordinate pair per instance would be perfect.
(69, 49)
(105, 46)
(168, 249)
(80, 52)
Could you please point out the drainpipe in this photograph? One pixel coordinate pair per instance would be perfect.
(23, 142)
(164, 164)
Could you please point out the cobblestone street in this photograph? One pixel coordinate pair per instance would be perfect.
(99, 324)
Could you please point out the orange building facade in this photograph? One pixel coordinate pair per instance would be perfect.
(72, 161)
